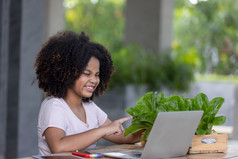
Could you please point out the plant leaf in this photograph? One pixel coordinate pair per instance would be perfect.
(188, 104)
(202, 101)
(215, 104)
(219, 120)
(146, 134)
(176, 103)
(143, 109)
(195, 105)
(134, 128)
(149, 117)
(159, 97)
(130, 111)
(200, 131)
(148, 106)
(145, 100)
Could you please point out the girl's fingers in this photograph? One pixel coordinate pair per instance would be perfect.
(122, 129)
(122, 120)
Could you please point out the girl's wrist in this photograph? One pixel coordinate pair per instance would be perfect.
(103, 131)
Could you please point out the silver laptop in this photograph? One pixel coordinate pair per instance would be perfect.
(171, 136)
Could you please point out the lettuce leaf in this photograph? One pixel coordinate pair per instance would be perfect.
(150, 104)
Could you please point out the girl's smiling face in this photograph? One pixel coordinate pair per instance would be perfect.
(88, 81)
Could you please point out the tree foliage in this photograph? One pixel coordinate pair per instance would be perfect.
(104, 22)
(209, 29)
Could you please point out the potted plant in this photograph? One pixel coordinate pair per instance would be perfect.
(148, 106)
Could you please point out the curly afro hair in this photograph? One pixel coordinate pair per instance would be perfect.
(62, 59)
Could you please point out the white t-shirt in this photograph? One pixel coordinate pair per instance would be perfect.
(55, 112)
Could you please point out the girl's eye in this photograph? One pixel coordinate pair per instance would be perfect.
(87, 74)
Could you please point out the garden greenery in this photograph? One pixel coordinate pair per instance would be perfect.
(208, 30)
(148, 106)
(133, 64)
(205, 41)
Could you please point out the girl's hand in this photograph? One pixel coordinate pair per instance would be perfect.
(116, 127)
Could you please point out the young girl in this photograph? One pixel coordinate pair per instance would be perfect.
(71, 70)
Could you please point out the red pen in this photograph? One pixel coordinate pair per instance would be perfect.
(97, 155)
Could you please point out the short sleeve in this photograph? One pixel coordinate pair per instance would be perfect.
(52, 115)
(101, 115)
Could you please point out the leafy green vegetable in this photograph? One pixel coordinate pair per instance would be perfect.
(148, 106)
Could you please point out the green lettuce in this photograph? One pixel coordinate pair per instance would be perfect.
(148, 106)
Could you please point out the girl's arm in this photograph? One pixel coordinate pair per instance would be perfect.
(121, 139)
(58, 142)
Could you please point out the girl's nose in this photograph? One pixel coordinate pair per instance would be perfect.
(93, 79)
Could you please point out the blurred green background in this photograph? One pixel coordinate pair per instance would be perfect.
(204, 42)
